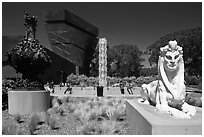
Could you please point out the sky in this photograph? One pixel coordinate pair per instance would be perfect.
(137, 23)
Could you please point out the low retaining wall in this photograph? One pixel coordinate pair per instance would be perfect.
(145, 120)
(26, 102)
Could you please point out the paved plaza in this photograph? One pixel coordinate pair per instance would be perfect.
(91, 92)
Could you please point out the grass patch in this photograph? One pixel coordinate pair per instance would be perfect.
(51, 122)
(80, 116)
(17, 117)
(33, 124)
(9, 128)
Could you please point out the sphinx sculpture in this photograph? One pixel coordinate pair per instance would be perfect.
(168, 92)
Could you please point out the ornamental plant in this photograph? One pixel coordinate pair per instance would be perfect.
(29, 56)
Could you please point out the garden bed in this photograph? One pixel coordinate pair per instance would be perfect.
(72, 116)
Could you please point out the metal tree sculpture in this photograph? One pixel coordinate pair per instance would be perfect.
(29, 57)
(30, 24)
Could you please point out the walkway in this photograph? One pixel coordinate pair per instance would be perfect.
(111, 92)
(91, 92)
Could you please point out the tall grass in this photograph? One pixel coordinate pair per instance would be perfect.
(51, 122)
(81, 115)
(9, 128)
(97, 116)
(90, 128)
(105, 127)
(108, 127)
(62, 110)
(17, 117)
(71, 108)
(33, 123)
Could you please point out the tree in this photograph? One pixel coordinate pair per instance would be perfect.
(129, 60)
(29, 57)
(112, 62)
(122, 60)
(149, 71)
(94, 63)
(191, 41)
(94, 66)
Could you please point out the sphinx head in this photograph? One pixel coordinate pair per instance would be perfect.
(172, 54)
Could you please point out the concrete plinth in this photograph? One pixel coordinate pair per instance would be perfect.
(27, 102)
(146, 120)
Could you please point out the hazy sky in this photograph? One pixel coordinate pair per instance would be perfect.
(135, 23)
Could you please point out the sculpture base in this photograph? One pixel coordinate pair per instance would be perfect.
(145, 120)
(27, 102)
(99, 91)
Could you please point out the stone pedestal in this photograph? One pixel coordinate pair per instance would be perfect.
(99, 91)
(145, 120)
(27, 102)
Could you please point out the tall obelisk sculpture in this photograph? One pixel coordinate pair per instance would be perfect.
(102, 62)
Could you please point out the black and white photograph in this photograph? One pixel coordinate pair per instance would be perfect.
(101, 68)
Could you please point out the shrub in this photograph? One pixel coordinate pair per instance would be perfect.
(105, 127)
(95, 114)
(81, 114)
(52, 110)
(34, 120)
(90, 128)
(65, 99)
(92, 104)
(112, 80)
(92, 81)
(200, 85)
(62, 110)
(25, 84)
(191, 80)
(51, 122)
(103, 111)
(71, 108)
(145, 80)
(42, 117)
(17, 117)
(108, 127)
(100, 103)
(194, 99)
(113, 114)
(55, 102)
(121, 109)
(110, 103)
(114, 110)
(6, 86)
(8, 83)
(73, 79)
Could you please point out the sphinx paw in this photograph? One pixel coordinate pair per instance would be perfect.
(144, 87)
(179, 114)
(143, 101)
(163, 108)
(188, 109)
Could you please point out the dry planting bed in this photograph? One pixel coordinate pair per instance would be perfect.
(73, 116)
